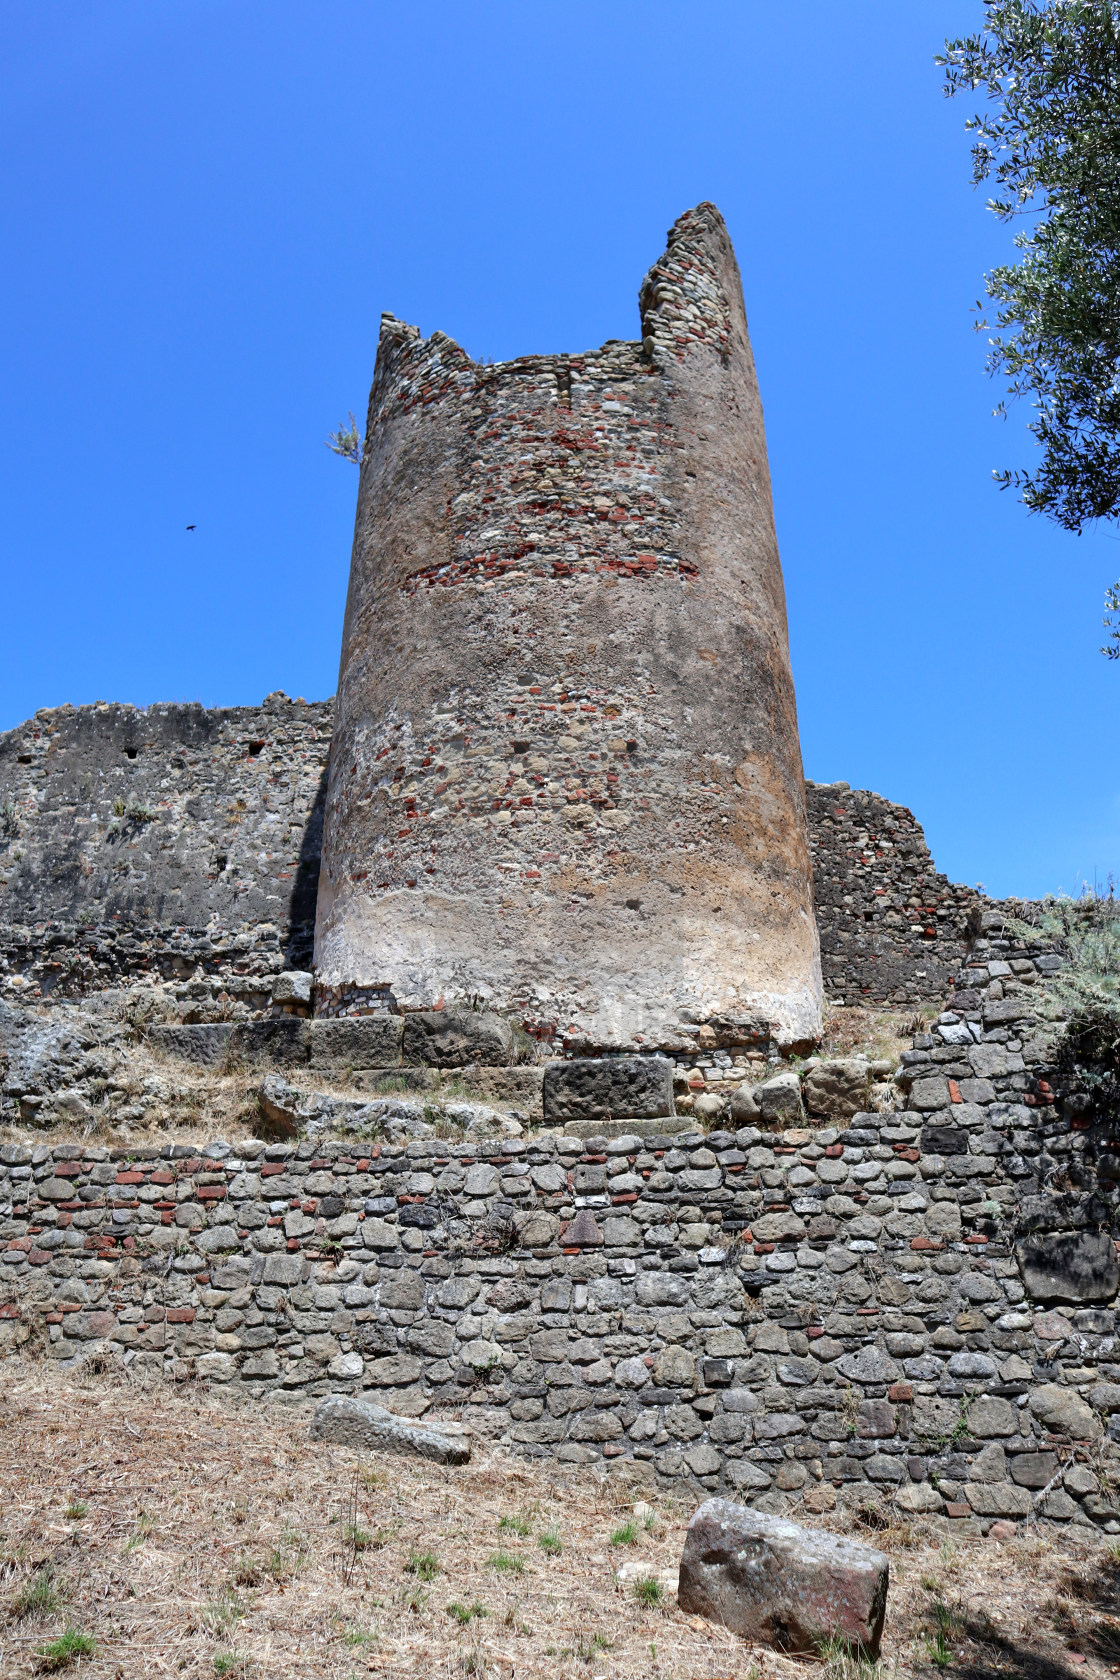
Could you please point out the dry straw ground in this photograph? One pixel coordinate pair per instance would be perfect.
(185, 1535)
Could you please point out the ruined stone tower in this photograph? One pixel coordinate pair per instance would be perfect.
(565, 776)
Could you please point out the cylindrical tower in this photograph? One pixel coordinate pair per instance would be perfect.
(566, 776)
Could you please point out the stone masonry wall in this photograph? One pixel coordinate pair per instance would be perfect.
(172, 842)
(892, 928)
(208, 874)
(838, 1310)
(566, 775)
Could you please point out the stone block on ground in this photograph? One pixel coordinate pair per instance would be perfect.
(779, 1584)
(357, 1041)
(353, 1422)
(510, 1087)
(279, 1105)
(205, 1045)
(1068, 1266)
(456, 1037)
(837, 1087)
(609, 1087)
(294, 989)
(666, 1125)
(779, 1099)
(283, 1042)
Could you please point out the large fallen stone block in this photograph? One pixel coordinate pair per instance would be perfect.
(837, 1088)
(357, 1041)
(1068, 1266)
(204, 1045)
(456, 1037)
(353, 1422)
(779, 1099)
(779, 1584)
(609, 1087)
(280, 1042)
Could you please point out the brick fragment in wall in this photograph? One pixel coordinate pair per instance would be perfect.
(649, 1301)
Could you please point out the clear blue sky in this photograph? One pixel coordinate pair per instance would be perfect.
(207, 203)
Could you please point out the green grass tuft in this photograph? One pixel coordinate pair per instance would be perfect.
(61, 1652)
(36, 1597)
(465, 1613)
(649, 1592)
(507, 1563)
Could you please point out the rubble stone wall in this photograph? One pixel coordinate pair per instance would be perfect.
(892, 928)
(566, 775)
(208, 871)
(846, 1309)
(170, 842)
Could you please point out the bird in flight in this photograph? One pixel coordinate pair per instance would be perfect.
(192, 527)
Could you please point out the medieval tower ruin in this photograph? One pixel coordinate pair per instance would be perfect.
(565, 776)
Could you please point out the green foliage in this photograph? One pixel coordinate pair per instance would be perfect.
(37, 1597)
(230, 1663)
(648, 1592)
(549, 1541)
(1049, 140)
(1111, 621)
(76, 1509)
(464, 1613)
(423, 1564)
(507, 1563)
(625, 1535)
(347, 441)
(1087, 989)
(515, 1525)
(61, 1652)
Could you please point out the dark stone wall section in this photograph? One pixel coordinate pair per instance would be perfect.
(181, 842)
(892, 928)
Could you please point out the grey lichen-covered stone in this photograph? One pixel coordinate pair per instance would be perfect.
(604, 1087)
(837, 1087)
(918, 1498)
(353, 1422)
(283, 1042)
(204, 1045)
(294, 986)
(1063, 1411)
(930, 1094)
(455, 1037)
(989, 1416)
(357, 1041)
(1069, 1266)
(779, 1584)
(998, 1499)
(279, 1106)
(779, 1099)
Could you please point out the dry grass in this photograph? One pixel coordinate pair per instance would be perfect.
(880, 1034)
(217, 1538)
